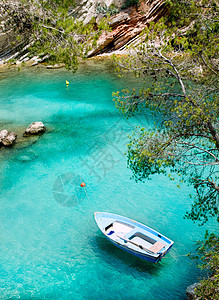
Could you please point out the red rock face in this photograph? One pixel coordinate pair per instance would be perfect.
(128, 24)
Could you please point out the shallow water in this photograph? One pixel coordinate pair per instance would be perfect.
(50, 245)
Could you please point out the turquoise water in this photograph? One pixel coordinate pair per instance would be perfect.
(50, 245)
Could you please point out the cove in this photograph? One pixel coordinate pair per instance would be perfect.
(50, 245)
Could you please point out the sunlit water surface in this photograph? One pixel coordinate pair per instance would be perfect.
(50, 245)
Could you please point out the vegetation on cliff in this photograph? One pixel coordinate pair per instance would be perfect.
(208, 258)
(48, 30)
(180, 55)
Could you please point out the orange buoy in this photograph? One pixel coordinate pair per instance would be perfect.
(83, 184)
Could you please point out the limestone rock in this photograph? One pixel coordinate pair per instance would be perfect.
(7, 138)
(99, 18)
(56, 66)
(103, 41)
(190, 291)
(85, 10)
(35, 128)
(128, 24)
(118, 19)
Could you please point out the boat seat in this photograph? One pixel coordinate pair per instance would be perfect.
(141, 242)
(130, 233)
(155, 248)
(118, 227)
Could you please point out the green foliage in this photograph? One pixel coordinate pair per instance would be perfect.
(102, 8)
(179, 55)
(130, 3)
(180, 59)
(103, 25)
(60, 5)
(206, 201)
(208, 288)
(207, 255)
(54, 32)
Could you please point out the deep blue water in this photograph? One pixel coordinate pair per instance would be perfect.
(50, 245)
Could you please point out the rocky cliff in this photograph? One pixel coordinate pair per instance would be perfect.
(126, 23)
(126, 18)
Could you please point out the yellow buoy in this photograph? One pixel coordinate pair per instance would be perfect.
(67, 83)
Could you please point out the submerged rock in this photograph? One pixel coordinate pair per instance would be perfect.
(34, 129)
(7, 138)
(27, 155)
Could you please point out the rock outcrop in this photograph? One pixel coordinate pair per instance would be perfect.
(128, 24)
(35, 128)
(7, 138)
(86, 10)
(190, 291)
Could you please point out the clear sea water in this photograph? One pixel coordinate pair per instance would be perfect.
(51, 247)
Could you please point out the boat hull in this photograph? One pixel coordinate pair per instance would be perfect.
(144, 257)
(113, 225)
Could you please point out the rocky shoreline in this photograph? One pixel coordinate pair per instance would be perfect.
(7, 66)
(9, 138)
(25, 137)
(126, 26)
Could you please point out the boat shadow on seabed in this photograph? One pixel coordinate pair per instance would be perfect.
(111, 255)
